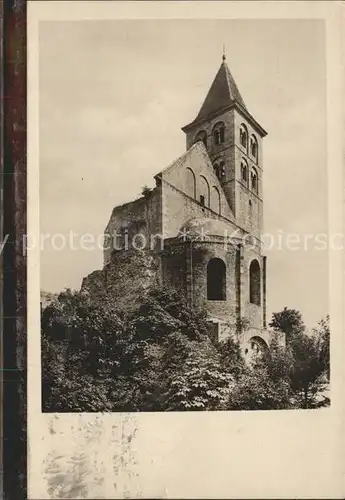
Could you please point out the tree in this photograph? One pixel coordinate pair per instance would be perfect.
(288, 321)
(322, 336)
(231, 356)
(308, 369)
(302, 364)
(161, 356)
(255, 390)
(184, 370)
(278, 362)
(81, 347)
(200, 383)
(96, 360)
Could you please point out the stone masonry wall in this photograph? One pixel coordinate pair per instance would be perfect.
(179, 209)
(125, 279)
(135, 223)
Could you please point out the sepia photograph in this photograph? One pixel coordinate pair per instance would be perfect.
(184, 246)
(183, 195)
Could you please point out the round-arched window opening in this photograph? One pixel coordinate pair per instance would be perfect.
(254, 147)
(216, 279)
(254, 283)
(243, 136)
(244, 171)
(254, 181)
(190, 183)
(219, 133)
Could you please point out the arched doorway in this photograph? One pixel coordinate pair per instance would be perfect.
(258, 347)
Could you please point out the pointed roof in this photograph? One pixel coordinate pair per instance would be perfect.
(223, 93)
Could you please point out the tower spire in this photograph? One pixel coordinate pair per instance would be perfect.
(223, 92)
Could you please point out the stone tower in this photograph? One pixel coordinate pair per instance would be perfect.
(233, 139)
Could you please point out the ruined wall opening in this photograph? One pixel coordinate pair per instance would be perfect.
(216, 279)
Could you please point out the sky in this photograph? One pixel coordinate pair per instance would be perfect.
(113, 96)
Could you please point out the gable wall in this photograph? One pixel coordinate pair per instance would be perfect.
(181, 198)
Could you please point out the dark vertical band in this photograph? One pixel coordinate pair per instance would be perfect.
(2, 237)
(264, 291)
(189, 272)
(239, 278)
(14, 263)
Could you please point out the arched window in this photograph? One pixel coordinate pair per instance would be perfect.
(201, 136)
(254, 147)
(254, 180)
(216, 280)
(204, 191)
(254, 283)
(219, 133)
(244, 136)
(244, 171)
(215, 199)
(190, 183)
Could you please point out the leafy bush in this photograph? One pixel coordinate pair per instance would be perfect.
(161, 357)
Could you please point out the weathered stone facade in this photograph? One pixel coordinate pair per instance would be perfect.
(199, 229)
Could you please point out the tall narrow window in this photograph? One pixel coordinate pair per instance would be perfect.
(219, 133)
(254, 180)
(216, 279)
(244, 171)
(254, 283)
(244, 136)
(254, 147)
(190, 183)
(215, 200)
(204, 191)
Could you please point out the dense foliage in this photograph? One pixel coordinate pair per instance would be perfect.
(162, 357)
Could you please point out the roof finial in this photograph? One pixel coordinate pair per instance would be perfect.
(224, 55)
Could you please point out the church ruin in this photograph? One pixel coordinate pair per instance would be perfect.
(199, 229)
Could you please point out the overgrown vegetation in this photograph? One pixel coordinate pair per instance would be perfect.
(161, 357)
